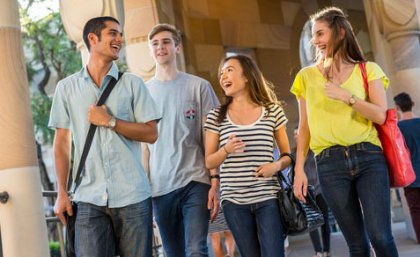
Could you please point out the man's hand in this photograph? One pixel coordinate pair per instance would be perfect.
(213, 200)
(62, 206)
(98, 115)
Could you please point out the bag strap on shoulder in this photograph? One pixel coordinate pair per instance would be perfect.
(362, 66)
(91, 133)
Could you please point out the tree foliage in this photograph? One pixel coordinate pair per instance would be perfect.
(41, 106)
(48, 53)
(47, 48)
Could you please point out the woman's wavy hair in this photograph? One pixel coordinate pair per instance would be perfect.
(260, 89)
(347, 47)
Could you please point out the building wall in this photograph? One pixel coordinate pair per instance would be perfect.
(268, 30)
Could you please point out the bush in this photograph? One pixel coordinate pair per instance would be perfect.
(55, 249)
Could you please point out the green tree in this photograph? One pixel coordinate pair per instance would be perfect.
(48, 48)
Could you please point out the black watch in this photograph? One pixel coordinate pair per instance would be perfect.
(216, 176)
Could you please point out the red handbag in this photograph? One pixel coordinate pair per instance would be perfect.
(397, 155)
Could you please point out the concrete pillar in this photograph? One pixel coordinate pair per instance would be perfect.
(140, 17)
(75, 13)
(22, 219)
(399, 24)
(394, 32)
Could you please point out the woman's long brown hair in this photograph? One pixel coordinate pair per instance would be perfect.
(346, 48)
(261, 90)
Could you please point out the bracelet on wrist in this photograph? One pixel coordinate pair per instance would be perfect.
(224, 148)
(215, 176)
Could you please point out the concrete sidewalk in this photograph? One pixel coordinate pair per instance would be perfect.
(301, 246)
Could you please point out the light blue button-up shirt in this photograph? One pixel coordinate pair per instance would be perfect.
(113, 176)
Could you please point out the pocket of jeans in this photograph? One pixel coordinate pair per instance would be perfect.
(83, 213)
(371, 149)
(320, 157)
(224, 203)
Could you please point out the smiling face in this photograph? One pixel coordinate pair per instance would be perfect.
(321, 38)
(109, 44)
(163, 48)
(232, 79)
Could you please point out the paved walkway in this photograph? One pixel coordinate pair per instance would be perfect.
(301, 246)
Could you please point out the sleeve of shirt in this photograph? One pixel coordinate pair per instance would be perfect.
(59, 115)
(144, 106)
(208, 98)
(211, 123)
(374, 72)
(298, 87)
(280, 117)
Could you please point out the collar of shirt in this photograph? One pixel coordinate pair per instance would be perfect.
(113, 72)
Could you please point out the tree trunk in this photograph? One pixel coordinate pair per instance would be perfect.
(45, 179)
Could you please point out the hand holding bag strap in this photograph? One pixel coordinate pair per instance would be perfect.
(91, 132)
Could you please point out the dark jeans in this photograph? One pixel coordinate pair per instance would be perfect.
(183, 220)
(256, 228)
(325, 229)
(100, 230)
(413, 200)
(355, 184)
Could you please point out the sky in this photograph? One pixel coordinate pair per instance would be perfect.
(40, 9)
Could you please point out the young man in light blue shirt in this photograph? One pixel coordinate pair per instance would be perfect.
(182, 189)
(114, 204)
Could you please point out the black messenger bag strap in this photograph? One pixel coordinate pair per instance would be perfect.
(91, 133)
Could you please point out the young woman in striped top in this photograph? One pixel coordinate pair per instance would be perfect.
(240, 137)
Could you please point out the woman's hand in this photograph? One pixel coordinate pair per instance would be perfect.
(234, 145)
(267, 170)
(334, 91)
(300, 185)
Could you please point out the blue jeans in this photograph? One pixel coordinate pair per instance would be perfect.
(325, 229)
(257, 228)
(183, 220)
(355, 184)
(101, 230)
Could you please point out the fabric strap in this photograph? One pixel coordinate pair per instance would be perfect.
(362, 66)
(91, 133)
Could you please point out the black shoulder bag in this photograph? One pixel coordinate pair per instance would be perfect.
(297, 217)
(71, 220)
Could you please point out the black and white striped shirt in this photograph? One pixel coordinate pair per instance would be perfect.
(238, 183)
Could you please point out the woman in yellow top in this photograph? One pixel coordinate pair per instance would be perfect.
(337, 123)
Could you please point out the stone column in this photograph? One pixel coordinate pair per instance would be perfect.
(22, 218)
(141, 16)
(398, 22)
(394, 32)
(75, 13)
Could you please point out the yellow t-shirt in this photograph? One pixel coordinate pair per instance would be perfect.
(333, 122)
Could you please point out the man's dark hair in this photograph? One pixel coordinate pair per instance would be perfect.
(403, 100)
(95, 26)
